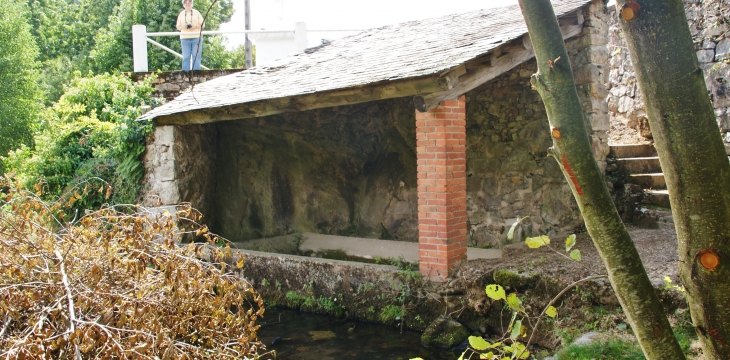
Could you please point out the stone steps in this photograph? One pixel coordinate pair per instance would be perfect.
(642, 165)
(631, 151)
(648, 181)
(656, 197)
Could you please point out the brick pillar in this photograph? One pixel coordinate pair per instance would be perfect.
(441, 151)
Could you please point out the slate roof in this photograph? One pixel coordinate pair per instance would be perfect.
(406, 50)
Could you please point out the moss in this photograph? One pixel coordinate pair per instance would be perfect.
(444, 332)
(514, 279)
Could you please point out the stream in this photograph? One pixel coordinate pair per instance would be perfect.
(306, 336)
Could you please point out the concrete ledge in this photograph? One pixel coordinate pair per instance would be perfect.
(355, 247)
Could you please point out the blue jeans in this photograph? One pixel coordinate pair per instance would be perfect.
(191, 48)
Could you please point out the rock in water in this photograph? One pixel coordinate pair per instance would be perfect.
(444, 332)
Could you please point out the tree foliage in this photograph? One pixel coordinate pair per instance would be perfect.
(66, 33)
(112, 285)
(20, 98)
(95, 36)
(90, 133)
(113, 50)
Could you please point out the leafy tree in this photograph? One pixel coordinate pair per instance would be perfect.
(113, 50)
(571, 147)
(65, 31)
(91, 133)
(692, 156)
(20, 96)
(95, 36)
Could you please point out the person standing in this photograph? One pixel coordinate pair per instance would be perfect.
(190, 22)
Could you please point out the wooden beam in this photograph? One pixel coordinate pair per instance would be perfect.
(574, 18)
(372, 92)
(452, 75)
(500, 63)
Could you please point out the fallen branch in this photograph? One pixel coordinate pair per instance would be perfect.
(553, 301)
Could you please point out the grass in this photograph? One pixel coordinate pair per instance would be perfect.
(391, 313)
(608, 349)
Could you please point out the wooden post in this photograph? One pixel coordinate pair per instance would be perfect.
(248, 45)
(139, 48)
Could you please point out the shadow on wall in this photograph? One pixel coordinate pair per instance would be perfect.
(344, 171)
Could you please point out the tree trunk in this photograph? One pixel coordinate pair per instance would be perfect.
(692, 157)
(571, 147)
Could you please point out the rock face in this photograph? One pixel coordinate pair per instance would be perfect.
(344, 171)
(708, 23)
(444, 332)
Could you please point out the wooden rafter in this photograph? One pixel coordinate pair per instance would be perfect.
(486, 68)
(372, 92)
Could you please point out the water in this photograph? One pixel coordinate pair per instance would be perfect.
(309, 336)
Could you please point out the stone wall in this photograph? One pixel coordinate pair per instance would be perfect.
(180, 165)
(708, 23)
(351, 170)
(170, 84)
(509, 172)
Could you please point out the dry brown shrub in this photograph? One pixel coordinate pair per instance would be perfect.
(114, 286)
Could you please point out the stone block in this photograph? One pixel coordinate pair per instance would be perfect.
(722, 51)
(723, 119)
(167, 87)
(714, 29)
(618, 91)
(612, 103)
(164, 134)
(705, 56)
(708, 44)
(625, 104)
(597, 90)
(165, 171)
(599, 106)
(587, 74)
(599, 122)
(614, 76)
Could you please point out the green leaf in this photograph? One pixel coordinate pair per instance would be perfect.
(515, 303)
(478, 343)
(496, 292)
(462, 355)
(536, 242)
(519, 350)
(516, 330)
(511, 232)
(551, 311)
(489, 356)
(575, 255)
(569, 242)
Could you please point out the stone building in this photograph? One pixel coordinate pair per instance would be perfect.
(423, 131)
(709, 23)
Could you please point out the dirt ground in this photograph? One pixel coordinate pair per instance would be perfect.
(657, 248)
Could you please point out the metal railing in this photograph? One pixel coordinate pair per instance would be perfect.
(140, 38)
